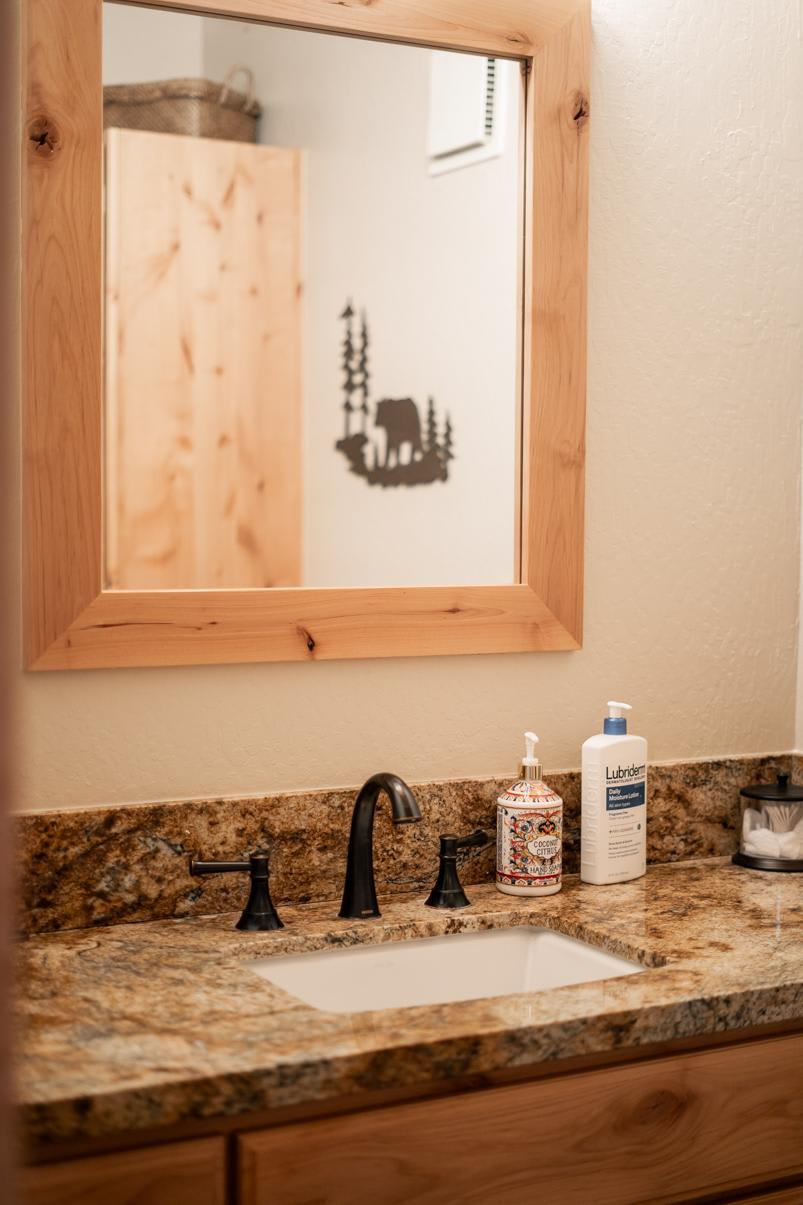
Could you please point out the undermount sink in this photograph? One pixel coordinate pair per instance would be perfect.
(440, 970)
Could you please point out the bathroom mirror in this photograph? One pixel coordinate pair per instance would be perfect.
(313, 281)
(319, 391)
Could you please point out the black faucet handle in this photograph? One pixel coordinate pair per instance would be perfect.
(199, 866)
(448, 891)
(259, 913)
(478, 838)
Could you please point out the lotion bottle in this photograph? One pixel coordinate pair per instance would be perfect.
(529, 832)
(613, 835)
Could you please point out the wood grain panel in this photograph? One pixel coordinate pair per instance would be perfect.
(663, 1130)
(61, 272)
(513, 28)
(216, 627)
(179, 1173)
(554, 435)
(203, 350)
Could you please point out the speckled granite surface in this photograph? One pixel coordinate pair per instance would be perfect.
(135, 1026)
(97, 866)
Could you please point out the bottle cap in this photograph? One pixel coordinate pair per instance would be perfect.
(530, 765)
(615, 721)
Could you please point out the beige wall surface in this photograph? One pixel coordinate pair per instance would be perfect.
(693, 480)
(140, 45)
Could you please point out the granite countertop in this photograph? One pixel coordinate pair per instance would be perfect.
(135, 1026)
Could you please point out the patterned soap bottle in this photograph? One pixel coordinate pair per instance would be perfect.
(529, 832)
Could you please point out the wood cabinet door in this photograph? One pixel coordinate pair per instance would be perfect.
(178, 1173)
(202, 363)
(664, 1130)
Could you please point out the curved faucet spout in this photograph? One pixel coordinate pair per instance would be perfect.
(359, 891)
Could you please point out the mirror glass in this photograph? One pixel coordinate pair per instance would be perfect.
(313, 278)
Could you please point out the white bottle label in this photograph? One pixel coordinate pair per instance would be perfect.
(625, 806)
(529, 845)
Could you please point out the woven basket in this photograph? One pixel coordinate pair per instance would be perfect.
(197, 107)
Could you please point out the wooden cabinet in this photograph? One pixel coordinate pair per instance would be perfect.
(667, 1129)
(178, 1173)
(714, 1124)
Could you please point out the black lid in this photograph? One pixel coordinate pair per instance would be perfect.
(781, 791)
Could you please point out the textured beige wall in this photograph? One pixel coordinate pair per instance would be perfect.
(693, 467)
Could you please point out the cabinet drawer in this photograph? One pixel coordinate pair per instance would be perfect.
(661, 1130)
(179, 1173)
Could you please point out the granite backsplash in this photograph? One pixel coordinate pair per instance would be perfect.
(107, 865)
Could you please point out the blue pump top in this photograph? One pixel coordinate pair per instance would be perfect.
(615, 723)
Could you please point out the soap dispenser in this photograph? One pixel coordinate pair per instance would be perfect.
(529, 832)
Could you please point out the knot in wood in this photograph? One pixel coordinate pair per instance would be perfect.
(308, 638)
(43, 137)
(580, 109)
(662, 1107)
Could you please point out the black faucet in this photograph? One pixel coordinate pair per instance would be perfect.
(359, 892)
(259, 913)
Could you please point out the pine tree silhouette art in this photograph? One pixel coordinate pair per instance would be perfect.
(347, 364)
(446, 447)
(362, 371)
(414, 452)
(432, 426)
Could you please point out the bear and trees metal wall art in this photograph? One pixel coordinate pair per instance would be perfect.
(413, 454)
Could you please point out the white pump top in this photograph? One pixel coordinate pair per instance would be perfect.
(531, 766)
(617, 710)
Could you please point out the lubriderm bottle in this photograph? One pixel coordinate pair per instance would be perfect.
(529, 832)
(613, 833)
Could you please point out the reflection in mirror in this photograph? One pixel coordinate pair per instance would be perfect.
(313, 260)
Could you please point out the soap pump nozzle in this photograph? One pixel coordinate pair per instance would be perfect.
(530, 766)
(616, 721)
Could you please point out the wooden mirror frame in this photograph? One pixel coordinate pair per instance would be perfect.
(71, 621)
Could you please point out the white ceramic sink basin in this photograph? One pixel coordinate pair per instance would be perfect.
(437, 970)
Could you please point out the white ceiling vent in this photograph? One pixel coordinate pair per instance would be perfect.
(466, 109)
